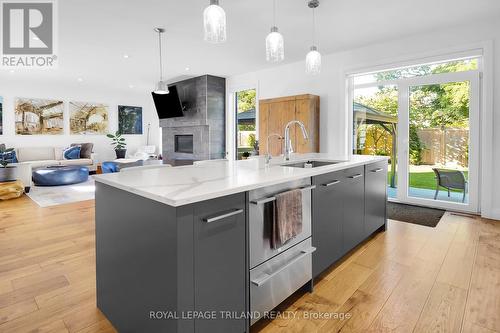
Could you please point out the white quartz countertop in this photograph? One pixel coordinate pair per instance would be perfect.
(178, 186)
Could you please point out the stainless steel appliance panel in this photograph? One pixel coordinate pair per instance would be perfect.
(260, 219)
(276, 279)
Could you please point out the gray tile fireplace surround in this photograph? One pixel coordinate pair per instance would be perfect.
(204, 118)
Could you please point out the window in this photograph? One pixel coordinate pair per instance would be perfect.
(246, 125)
(454, 66)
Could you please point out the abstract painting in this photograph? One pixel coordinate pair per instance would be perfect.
(39, 116)
(129, 119)
(1, 115)
(88, 118)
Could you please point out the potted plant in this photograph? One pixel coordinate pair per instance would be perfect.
(245, 155)
(119, 143)
(8, 173)
(255, 146)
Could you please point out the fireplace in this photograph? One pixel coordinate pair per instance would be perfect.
(200, 133)
(184, 143)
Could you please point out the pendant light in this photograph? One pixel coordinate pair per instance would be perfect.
(275, 47)
(313, 58)
(161, 87)
(214, 21)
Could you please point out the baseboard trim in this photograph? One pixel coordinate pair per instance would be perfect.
(493, 214)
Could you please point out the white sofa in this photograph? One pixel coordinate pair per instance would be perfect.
(30, 158)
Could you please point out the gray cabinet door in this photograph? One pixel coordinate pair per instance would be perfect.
(375, 196)
(220, 265)
(354, 207)
(327, 214)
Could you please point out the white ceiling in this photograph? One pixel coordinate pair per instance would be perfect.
(95, 34)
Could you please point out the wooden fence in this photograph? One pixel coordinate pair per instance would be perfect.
(446, 146)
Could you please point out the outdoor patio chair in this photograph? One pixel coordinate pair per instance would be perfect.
(450, 180)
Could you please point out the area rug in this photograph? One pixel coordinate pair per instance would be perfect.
(428, 217)
(46, 196)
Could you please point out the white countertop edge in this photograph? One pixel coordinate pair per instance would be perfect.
(220, 193)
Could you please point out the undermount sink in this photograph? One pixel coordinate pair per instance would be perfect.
(310, 164)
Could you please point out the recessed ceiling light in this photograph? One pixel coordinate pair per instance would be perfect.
(11, 71)
(187, 69)
(79, 79)
(131, 86)
(126, 56)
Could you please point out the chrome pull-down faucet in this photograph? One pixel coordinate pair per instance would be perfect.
(288, 141)
(268, 154)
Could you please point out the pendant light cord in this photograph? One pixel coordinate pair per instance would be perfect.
(314, 27)
(274, 12)
(161, 63)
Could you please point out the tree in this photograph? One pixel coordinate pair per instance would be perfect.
(384, 100)
(416, 147)
(403, 73)
(443, 105)
(246, 100)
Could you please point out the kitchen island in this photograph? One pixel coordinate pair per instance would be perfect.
(184, 249)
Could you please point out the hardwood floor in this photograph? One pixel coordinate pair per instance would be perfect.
(410, 278)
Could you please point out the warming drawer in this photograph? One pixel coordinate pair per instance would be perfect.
(276, 279)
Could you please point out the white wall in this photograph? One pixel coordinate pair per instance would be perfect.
(11, 87)
(290, 79)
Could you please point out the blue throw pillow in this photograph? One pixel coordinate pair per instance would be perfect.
(72, 153)
(9, 156)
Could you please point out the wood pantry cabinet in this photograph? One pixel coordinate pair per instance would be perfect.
(275, 113)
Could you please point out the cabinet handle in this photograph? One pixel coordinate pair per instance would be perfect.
(356, 176)
(223, 216)
(260, 280)
(335, 182)
(377, 170)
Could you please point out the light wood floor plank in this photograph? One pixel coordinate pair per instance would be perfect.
(483, 305)
(443, 311)
(29, 292)
(17, 310)
(362, 309)
(401, 311)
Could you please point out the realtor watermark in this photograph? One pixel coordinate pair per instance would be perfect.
(29, 34)
(271, 315)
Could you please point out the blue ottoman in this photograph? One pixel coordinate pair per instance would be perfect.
(113, 167)
(60, 175)
(110, 167)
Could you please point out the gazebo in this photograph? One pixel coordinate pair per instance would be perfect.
(246, 117)
(364, 115)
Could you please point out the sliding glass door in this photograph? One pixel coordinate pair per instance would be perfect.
(426, 120)
(440, 141)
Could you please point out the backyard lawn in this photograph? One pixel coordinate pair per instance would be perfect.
(424, 180)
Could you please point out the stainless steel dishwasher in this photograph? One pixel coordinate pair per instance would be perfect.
(275, 274)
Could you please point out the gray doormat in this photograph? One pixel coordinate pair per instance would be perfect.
(428, 217)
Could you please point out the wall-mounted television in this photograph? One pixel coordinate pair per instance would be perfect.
(168, 105)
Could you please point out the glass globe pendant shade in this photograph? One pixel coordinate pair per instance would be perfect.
(161, 88)
(214, 19)
(313, 61)
(275, 46)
